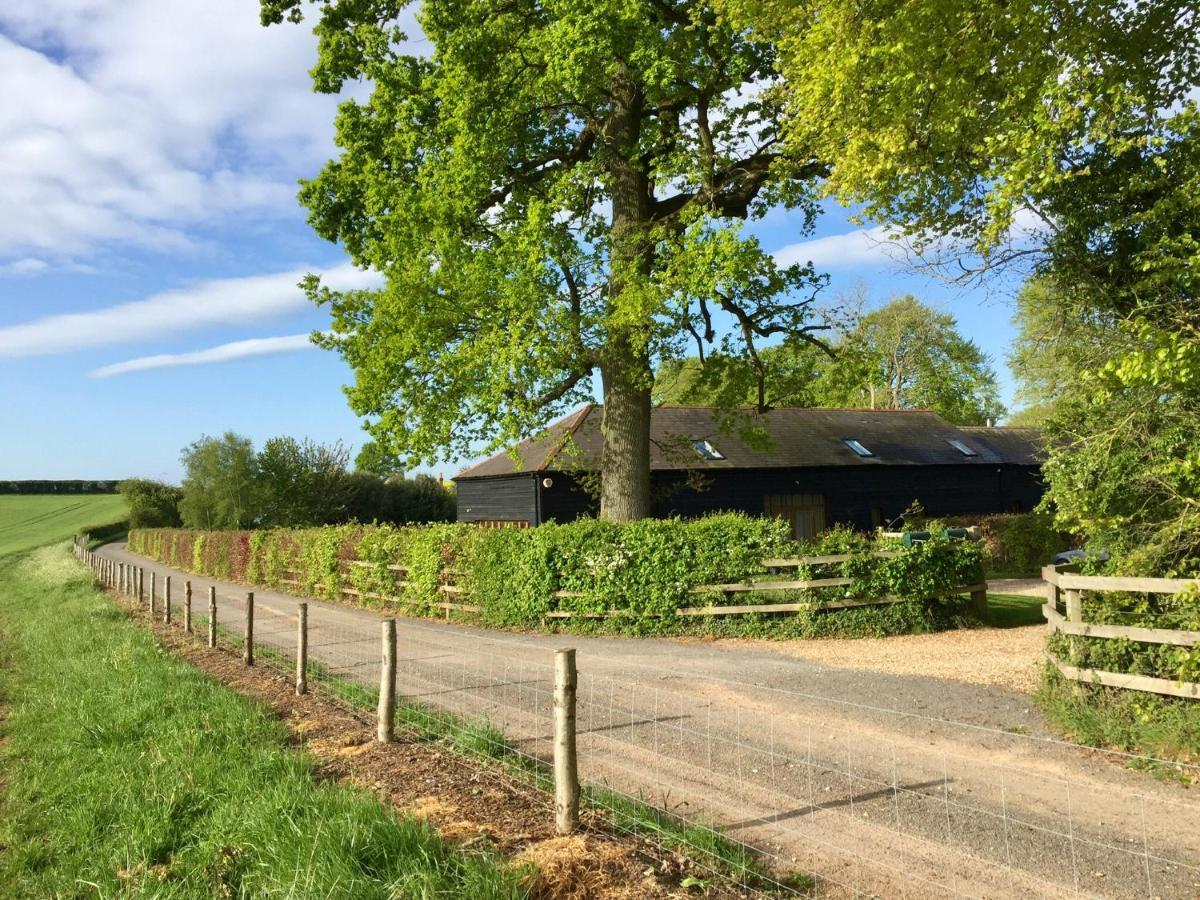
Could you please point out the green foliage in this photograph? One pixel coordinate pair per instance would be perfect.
(152, 504)
(1017, 545)
(1134, 722)
(130, 773)
(956, 120)
(903, 355)
(220, 483)
(375, 460)
(301, 483)
(643, 571)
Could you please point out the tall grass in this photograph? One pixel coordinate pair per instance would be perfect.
(126, 771)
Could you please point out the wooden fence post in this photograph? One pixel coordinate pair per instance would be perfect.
(248, 656)
(121, 577)
(387, 685)
(212, 617)
(153, 591)
(187, 607)
(566, 770)
(979, 603)
(141, 585)
(302, 649)
(167, 600)
(1074, 605)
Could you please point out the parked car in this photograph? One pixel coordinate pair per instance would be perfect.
(1079, 554)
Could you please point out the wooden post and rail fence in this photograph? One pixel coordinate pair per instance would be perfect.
(452, 592)
(1065, 590)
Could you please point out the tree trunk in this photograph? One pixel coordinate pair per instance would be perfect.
(625, 463)
(625, 364)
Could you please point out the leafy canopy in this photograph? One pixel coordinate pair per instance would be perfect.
(553, 191)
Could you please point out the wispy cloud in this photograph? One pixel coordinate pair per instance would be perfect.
(222, 353)
(28, 265)
(226, 301)
(867, 246)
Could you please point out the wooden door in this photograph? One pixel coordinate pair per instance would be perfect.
(804, 512)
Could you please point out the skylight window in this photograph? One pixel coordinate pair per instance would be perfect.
(961, 447)
(857, 447)
(706, 449)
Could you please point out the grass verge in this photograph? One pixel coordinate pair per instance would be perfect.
(1014, 611)
(126, 771)
(1130, 721)
(714, 852)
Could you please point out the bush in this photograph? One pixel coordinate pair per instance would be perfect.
(1017, 545)
(643, 570)
(152, 504)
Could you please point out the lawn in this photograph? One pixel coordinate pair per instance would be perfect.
(34, 520)
(124, 771)
(1013, 611)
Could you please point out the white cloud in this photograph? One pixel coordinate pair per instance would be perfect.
(865, 247)
(130, 122)
(218, 354)
(28, 265)
(225, 301)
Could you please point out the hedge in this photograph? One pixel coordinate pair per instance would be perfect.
(645, 570)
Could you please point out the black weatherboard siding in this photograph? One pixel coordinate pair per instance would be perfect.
(809, 472)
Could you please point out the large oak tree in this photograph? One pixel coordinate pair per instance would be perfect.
(552, 191)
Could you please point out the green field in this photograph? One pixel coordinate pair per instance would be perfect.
(34, 520)
(126, 772)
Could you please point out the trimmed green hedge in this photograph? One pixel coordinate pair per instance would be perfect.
(643, 569)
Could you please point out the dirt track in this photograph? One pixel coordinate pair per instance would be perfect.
(889, 784)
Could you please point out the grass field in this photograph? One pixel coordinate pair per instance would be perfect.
(126, 772)
(1014, 611)
(34, 520)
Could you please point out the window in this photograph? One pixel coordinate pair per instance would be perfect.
(857, 447)
(961, 448)
(706, 449)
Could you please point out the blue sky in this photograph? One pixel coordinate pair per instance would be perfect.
(148, 165)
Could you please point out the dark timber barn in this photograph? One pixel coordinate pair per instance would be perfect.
(814, 467)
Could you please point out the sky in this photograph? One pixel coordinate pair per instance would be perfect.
(151, 241)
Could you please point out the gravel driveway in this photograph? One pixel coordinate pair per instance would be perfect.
(883, 783)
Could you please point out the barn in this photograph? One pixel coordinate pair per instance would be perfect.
(814, 467)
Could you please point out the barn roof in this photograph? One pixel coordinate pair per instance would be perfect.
(796, 437)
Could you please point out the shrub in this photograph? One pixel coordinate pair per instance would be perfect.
(1017, 545)
(645, 571)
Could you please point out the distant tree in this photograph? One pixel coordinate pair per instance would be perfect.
(302, 483)
(904, 355)
(908, 356)
(220, 484)
(374, 459)
(152, 504)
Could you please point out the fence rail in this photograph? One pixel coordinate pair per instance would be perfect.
(978, 591)
(1069, 587)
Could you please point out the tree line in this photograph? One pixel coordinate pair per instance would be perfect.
(289, 483)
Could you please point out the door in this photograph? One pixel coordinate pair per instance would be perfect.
(804, 512)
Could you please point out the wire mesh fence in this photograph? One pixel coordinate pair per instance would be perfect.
(838, 796)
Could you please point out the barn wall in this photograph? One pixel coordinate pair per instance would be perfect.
(859, 496)
(505, 498)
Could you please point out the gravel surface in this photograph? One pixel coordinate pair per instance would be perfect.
(888, 783)
(1002, 657)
